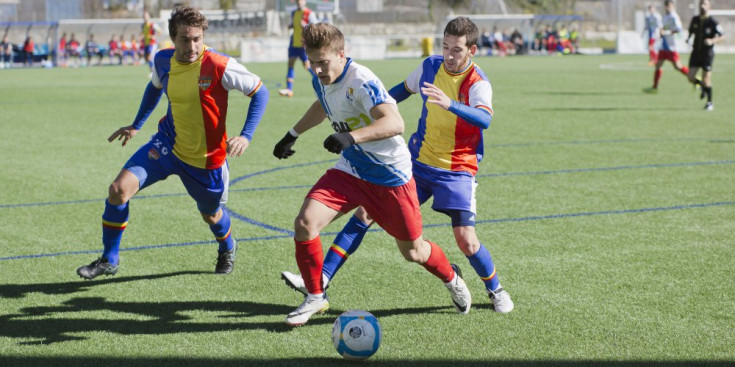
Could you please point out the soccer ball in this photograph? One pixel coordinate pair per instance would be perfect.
(356, 334)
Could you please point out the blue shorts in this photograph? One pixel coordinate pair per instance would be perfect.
(155, 161)
(452, 191)
(299, 52)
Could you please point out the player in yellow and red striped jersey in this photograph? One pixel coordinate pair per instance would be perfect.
(300, 18)
(191, 141)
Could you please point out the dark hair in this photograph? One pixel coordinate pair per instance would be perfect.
(320, 35)
(186, 15)
(462, 26)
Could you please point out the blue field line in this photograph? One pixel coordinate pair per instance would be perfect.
(489, 221)
(257, 223)
(577, 170)
(278, 169)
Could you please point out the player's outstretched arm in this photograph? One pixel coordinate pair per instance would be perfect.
(236, 145)
(124, 133)
(313, 116)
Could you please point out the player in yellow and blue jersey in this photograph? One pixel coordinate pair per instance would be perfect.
(445, 152)
(191, 141)
(150, 32)
(300, 18)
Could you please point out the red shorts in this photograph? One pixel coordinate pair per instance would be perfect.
(395, 209)
(672, 56)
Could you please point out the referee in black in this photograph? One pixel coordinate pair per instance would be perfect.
(706, 32)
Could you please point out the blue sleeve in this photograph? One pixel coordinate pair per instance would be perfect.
(151, 96)
(255, 112)
(399, 92)
(475, 116)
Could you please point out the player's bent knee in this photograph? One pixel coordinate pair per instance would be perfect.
(117, 194)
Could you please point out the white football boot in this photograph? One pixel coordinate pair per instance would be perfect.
(501, 300)
(296, 282)
(461, 296)
(312, 305)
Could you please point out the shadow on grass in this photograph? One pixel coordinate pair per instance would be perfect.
(21, 290)
(77, 317)
(336, 361)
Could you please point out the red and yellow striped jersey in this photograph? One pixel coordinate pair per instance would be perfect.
(195, 123)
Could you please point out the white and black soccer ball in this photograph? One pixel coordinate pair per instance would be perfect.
(356, 334)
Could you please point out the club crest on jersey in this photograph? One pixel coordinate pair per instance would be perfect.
(205, 82)
(350, 95)
(153, 154)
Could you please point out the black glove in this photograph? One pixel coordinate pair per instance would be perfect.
(283, 147)
(335, 143)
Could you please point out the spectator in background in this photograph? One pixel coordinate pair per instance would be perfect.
(574, 38)
(73, 49)
(61, 51)
(135, 48)
(91, 48)
(28, 47)
(114, 49)
(486, 42)
(6, 50)
(499, 42)
(538, 40)
(129, 57)
(516, 39)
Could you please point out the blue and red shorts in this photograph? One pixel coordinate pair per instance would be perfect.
(155, 161)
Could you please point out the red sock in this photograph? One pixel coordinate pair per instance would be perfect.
(652, 56)
(438, 264)
(657, 77)
(685, 70)
(309, 258)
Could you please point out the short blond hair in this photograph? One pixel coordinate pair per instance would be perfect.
(321, 35)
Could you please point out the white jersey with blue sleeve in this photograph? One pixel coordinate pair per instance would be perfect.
(653, 24)
(671, 24)
(347, 102)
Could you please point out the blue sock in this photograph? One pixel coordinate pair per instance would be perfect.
(484, 267)
(114, 221)
(289, 79)
(346, 242)
(222, 231)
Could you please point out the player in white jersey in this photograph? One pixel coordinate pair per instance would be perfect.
(374, 170)
(653, 28)
(671, 25)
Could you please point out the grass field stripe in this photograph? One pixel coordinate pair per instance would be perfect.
(606, 141)
(617, 168)
(267, 238)
(138, 248)
(607, 212)
(661, 165)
